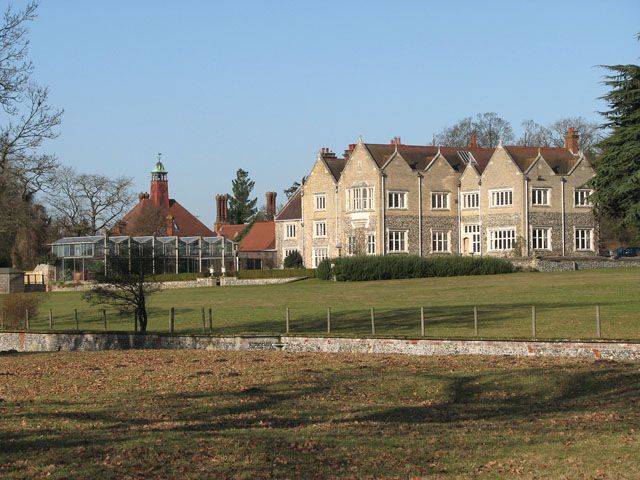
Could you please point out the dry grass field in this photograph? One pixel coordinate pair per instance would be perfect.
(195, 414)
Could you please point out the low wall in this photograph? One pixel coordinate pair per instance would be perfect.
(52, 342)
(232, 281)
(567, 264)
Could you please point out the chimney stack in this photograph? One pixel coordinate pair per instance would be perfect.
(221, 211)
(474, 142)
(571, 140)
(271, 205)
(396, 141)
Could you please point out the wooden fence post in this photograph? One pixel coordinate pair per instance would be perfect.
(26, 318)
(104, 317)
(172, 317)
(475, 320)
(50, 319)
(75, 311)
(533, 321)
(286, 319)
(598, 330)
(373, 322)
(204, 324)
(422, 321)
(210, 321)
(328, 319)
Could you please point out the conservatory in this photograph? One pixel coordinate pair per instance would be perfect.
(78, 257)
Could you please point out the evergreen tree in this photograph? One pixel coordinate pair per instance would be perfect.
(617, 181)
(241, 208)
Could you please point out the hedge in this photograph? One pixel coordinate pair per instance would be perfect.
(276, 273)
(389, 267)
(174, 277)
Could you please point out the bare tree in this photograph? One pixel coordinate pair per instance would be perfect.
(489, 129)
(534, 135)
(590, 133)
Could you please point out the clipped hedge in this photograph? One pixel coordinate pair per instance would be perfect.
(276, 273)
(174, 277)
(409, 266)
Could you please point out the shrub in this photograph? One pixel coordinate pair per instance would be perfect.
(14, 308)
(174, 277)
(276, 273)
(293, 260)
(409, 266)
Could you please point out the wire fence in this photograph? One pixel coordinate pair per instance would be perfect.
(544, 322)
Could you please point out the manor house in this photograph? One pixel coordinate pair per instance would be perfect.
(385, 199)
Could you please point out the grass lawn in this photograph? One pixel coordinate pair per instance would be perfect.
(195, 414)
(565, 306)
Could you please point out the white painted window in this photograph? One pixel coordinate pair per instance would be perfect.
(289, 251)
(540, 196)
(351, 244)
(541, 238)
(439, 201)
(502, 239)
(360, 198)
(397, 241)
(584, 238)
(439, 241)
(320, 229)
(319, 254)
(474, 232)
(397, 200)
(290, 230)
(371, 244)
(470, 200)
(582, 197)
(501, 198)
(320, 201)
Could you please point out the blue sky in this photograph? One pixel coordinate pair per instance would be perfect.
(262, 85)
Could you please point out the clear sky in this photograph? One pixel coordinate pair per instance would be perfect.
(262, 85)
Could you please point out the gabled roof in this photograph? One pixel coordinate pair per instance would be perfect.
(292, 210)
(559, 159)
(185, 224)
(262, 236)
(335, 166)
(230, 231)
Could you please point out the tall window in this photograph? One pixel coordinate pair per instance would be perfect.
(541, 238)
(439, 201)
(540, 196)
(439, 241)
(351, 244)
(397, 241)
(501, 198)
(319, 254)
(320, 201)
(397, 199)
(470, 200)
(582, 197)
(584, 239)
(371, 244)
(289, 251)
(474, 232)
(360, 198)
(290, 230)
(502, 239)
(320, 229)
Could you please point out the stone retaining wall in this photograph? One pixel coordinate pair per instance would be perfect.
(52, 342)
(567, 264)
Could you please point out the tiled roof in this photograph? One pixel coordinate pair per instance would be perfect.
(335, 166)
(560, 160)
(230, 231)
(292, 210)
(262, 236)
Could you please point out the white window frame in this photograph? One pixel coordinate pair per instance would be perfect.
(540, 196)
(360, 198)
(319, 254)
(319, 202)
(589, 238)
(442, 239)
(371, 243)
(498, 197)
(290, 228)
(288, 251)
(471, 200)
(473, 230)
(493, 241)
(585, 200)
(351, 244)
(397, 200)
(320, 229)
(437, 202)
(542, 242)
(399, 238)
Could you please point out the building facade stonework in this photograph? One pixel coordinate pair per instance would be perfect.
(394, 199)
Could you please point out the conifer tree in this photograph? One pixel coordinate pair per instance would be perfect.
(617, 181)
(241, 208)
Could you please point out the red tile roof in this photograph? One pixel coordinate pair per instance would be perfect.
(559, 159)
(230, 231)
(292, 210)
(262, 236)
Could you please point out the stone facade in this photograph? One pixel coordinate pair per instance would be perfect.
(11, 281)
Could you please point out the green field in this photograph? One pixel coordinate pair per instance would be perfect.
(565, 307)
(196, 414)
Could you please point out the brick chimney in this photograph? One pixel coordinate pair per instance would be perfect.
(271, 205)
(325, 152)
(396, 141)
(571, 140)
(474, 142)
(221, 211)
